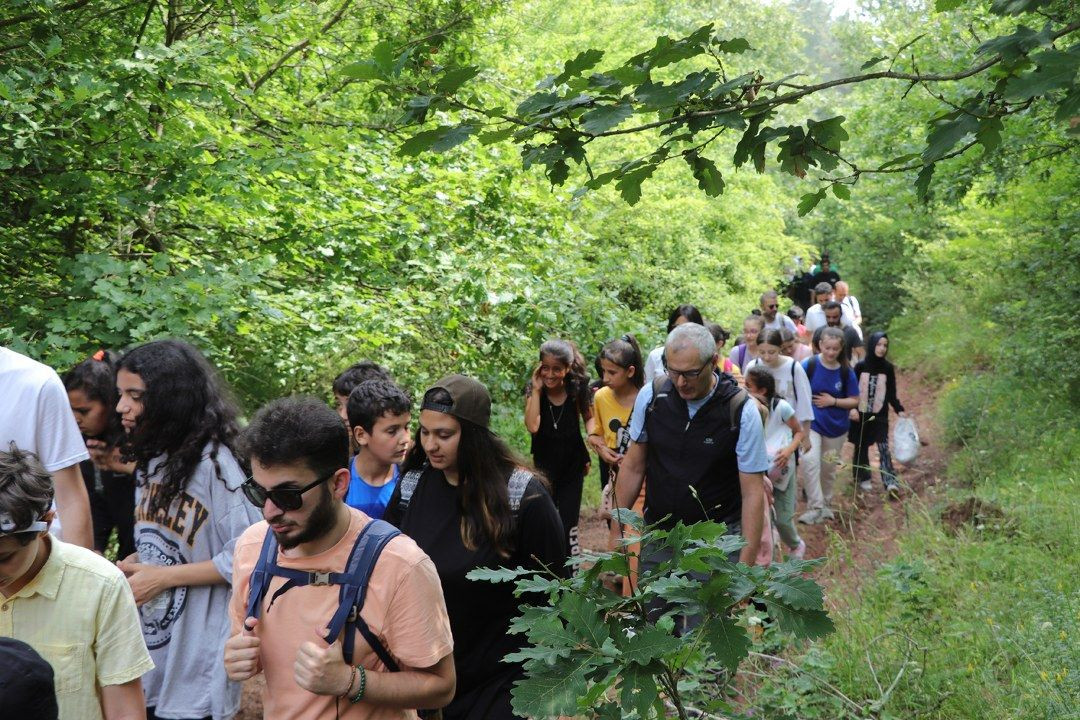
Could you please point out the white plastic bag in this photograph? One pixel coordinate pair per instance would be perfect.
(905, 441)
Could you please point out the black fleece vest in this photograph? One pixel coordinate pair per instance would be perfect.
(699, 453)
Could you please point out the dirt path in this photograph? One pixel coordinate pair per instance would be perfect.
(863, 534)
(861, 537)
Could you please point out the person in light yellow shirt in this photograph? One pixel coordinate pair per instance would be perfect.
(73, 607)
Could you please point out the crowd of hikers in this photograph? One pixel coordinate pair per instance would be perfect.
(328, 550)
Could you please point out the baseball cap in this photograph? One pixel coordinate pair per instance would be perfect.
(27, 690)
(469, 399)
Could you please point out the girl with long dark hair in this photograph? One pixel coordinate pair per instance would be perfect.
(110, 483)
(870, 420)
(468, 502)
(556, 408)
(180, 427)
(654, 364)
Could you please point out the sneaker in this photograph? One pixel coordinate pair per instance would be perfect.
(866, 486)
(826, 514)
(799, 552)
(892, 490)
(810, 517)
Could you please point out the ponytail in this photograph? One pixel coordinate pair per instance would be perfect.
(626, 353)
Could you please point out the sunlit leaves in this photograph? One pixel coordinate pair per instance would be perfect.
(606, 117)
(439, 139)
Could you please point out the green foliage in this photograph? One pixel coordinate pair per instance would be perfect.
(684, 112)
(587, 643)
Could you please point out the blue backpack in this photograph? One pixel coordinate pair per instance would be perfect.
(353, 583)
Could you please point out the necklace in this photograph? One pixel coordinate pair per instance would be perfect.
(555, 420)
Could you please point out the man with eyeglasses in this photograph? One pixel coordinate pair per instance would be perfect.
(770, 303)
(700, 466)
(299, 453)
(69, 604)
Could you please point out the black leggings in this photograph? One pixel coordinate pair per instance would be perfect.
(566, 492)
(861, 468)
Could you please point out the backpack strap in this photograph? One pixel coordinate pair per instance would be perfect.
(794, 387)
(515, 488)
(408, 487)
(365, 553)
(353, 583)
(657, 383)
(735, 407)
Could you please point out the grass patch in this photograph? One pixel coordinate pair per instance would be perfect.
(978, 616)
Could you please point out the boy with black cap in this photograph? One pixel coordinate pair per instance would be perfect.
(69, 604)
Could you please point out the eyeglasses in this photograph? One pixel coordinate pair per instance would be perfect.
(285, 498)
(687, 374)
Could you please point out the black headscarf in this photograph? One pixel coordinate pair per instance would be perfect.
(872, 363)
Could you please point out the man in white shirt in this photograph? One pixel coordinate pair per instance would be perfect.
(770, 303)
(849, 301)
(815, 316)
(36, 416)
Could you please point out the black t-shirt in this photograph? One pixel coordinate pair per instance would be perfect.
(480, 612)
(558, 448)
(830, 276)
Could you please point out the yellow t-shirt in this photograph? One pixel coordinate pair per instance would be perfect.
(605, 407)
(79, 614)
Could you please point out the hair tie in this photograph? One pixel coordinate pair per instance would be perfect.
(99, 355)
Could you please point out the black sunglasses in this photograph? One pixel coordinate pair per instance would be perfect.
(285, 498)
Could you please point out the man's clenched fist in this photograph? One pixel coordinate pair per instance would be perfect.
(320, 669)
(242, 653)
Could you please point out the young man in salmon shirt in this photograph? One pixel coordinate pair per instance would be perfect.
(299, 450)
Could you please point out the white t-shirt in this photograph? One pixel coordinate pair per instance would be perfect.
(815, 317)
(851, 303)
(780, 322)
(792, 385)
(36, 416)
(654, 364)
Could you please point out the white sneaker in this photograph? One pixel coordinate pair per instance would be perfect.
(826, 514)
(866, 486)
(799, 552)
(810, 517)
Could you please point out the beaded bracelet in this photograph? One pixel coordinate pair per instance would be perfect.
(363, 685)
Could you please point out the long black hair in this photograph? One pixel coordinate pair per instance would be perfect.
(185, 408)
(484, 464)
(96, 377)
(577, 379)
(626, 353)
(690, 312)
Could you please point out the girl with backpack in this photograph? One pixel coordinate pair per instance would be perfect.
(835, 392)
(742, 354)
(783, 435)
(789, 377)
(468, 502)
(557, 405)
(110, 483)
(870, 420)
(181, 427)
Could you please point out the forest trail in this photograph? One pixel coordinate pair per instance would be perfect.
(863, 535)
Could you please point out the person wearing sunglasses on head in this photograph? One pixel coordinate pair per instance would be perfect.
(67, 603)
(292, 570)
(701, 443)
(181, 426)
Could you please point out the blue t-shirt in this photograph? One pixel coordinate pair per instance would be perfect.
(370, 500)
(830, 421)
(750, 448)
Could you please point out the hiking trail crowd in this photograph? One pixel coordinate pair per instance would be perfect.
(329, 551)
